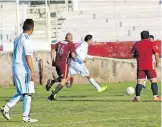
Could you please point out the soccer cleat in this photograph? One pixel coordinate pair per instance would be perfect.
(49, 84)
(102, 89)
(5, 113)
(70, 86)
(157, 99)
(29, 120)
(136, 100)
(52, 97)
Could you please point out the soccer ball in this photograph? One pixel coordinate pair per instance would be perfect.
(130, 90)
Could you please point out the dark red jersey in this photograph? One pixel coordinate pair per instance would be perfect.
(63, 49)
(143, 51)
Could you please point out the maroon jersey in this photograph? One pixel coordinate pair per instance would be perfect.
(63, 49)
(144, 50)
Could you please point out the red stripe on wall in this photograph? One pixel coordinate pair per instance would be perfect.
(119, 50)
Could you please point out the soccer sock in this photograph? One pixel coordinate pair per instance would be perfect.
(15, 99)
(26, 105)
(94, 83)
(138, 90)
(58, 88)
(57, 79)
(71, 81)
(154, 88)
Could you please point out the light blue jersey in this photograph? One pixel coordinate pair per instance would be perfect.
(22, 47)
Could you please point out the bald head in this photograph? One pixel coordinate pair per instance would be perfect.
(69, 37)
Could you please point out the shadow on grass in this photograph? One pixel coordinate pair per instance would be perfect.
(72, 96)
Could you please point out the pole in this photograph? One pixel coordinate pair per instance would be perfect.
(2, 25)
(17, 16)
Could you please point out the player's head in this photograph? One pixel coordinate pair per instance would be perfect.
(88, 39)
(144, 35)
(28, 26)
(151, 38)
(69, 37)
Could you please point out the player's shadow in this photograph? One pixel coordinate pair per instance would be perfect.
(10, 121)
(96, 100)
(72, 96)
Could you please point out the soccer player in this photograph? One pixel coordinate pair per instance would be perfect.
(63, 50)
(143, 51)
(78, 66)
(50, 82)
(151, 37)
(23, 72)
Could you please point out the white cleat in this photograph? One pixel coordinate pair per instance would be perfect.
(5, 113)
(29, 120)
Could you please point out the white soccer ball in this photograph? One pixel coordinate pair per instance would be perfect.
(130, 90)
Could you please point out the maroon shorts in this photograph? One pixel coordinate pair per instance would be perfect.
(62, 69)
(141, 74)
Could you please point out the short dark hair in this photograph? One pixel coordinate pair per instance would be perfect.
(88, 37)
(144, 35)
(28, 24)
(151, 36)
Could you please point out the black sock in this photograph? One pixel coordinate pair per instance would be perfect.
(58, 88)
(138, 89)
(154, 88)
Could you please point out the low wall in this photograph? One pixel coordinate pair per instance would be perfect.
(104, 70)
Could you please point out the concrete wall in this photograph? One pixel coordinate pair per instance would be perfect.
(104, 70)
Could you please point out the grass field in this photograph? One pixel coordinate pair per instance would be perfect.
(82, 106)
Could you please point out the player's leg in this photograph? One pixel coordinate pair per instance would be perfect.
(70, 75)
(71, 81)
(14, 100)
(27, 91)
(62, 70)
(141, 76)
(154, 86)
(50, 82)
(84, 72)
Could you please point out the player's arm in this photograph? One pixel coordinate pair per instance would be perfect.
(156, 54)
(28, 56)
(30, 65)
(133, 51)
(72, 51)
(53, 55)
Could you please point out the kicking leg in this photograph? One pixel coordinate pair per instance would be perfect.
(50, 82)
(5, 109)
(96, 85)
(58, 88)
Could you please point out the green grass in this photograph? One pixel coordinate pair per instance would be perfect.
(82, 106)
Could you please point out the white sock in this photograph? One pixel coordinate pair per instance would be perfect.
(15, 99)
(94, 83)
(138, 97)
(26, 106)
(155, 96)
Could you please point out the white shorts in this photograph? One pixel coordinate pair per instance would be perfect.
(23, 83)
(77, 68)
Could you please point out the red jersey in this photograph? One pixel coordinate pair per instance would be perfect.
(143, 51)
(63, 49)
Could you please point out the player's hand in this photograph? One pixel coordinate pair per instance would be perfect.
(32, 76)
(53, 63)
